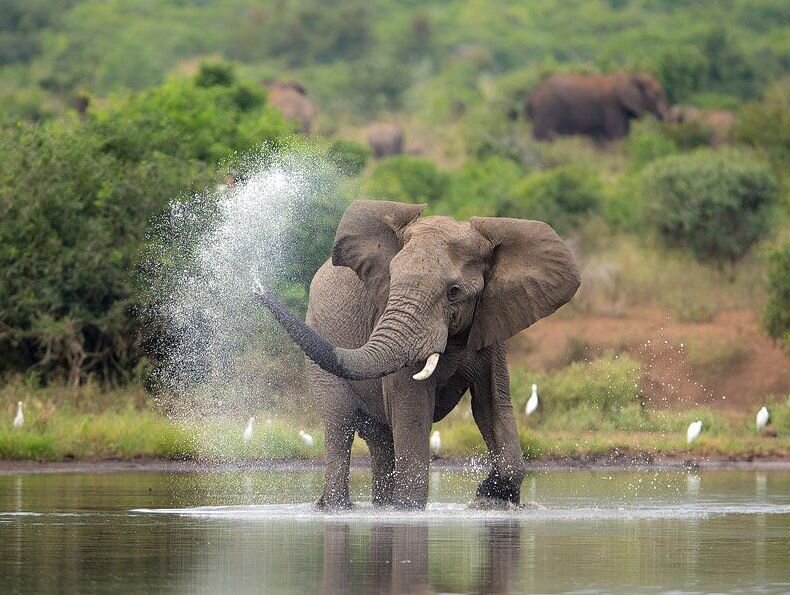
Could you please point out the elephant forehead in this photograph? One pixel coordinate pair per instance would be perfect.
(447, 235)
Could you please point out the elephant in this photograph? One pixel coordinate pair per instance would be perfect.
(715, 124)
(385, 139)
(599, 106)
(400, 291)
(290, 97)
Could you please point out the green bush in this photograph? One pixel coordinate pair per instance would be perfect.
(478, 188)
(562, 197)
(348, 156)
(766, 123)
(405, 178)
(717, 204)
(647, 142)
(601, 388)
(776, 313)
(682, 71)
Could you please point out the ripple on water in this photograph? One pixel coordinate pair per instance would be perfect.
(460, 512)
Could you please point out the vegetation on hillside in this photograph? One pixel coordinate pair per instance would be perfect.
(110, 112)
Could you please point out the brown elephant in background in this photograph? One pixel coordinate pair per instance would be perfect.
(385, 139)
(408, 315)
(597, 105)
(290, 97)
(717, 124)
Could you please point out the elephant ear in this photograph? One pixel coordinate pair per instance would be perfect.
(532, 274)
(631, 95)
(369, 235)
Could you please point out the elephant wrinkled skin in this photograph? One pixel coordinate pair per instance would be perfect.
(600, 106)
(397, 289)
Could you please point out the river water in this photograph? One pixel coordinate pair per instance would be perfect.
(255, 531)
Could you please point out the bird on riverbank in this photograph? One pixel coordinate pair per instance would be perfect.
(306, 438)
(436, 442)
(762, 418)
(532, 403)
(19, 420)
(248, 430)
(694, 430)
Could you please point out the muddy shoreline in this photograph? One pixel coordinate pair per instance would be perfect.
(646, 463)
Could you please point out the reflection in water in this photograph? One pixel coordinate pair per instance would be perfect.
(252, 531)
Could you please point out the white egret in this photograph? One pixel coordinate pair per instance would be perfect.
(436, 442)
(694, 430)
(762, 418)
(532, 403)
(306, 438)
(248, 430)
(19, 420)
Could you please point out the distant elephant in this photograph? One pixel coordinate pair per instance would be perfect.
(599, 105)
(408, 315)
(290, 97)
(385, 139)
(717, 124)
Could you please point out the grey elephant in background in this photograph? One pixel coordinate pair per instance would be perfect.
(290, 97)
(385, 139)
(409, 314)
(597, 105)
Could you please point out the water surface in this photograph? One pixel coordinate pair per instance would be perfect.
(256, 531)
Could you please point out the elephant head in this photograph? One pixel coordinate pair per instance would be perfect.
(438, 285)
(641, 93)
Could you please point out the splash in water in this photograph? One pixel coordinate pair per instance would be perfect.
(272, 225)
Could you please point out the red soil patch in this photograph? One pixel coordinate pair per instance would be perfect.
(724, 363)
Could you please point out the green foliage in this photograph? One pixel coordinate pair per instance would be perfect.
(599, 389)
(563, 197)
(717, 204)
(647, 142)
(776, 313)
(405, 178)
(765, 124)
(349, 157)
(214, 74)
(477, 188)
(682, 71)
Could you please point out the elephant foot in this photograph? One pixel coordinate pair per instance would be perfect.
(485, 503)
(408, 505)
(333, 505)
(496, 487)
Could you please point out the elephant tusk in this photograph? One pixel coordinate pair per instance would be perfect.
(430, 366)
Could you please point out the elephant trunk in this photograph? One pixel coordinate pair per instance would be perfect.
(385, 351)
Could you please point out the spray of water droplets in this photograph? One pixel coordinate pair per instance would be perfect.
(207, 253)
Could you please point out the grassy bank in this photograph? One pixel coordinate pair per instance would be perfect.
(87, 424)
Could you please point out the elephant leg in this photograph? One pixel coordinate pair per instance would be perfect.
(493, 413)
(338, 403)
(382, 460)
(409, 404)
(615, 123)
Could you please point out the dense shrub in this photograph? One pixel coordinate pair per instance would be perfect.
(407, 179)
(348, 156)
(648, 142)
(776, 314)
(717, 204)
(562, 197)
(478, 188)
(682, 71)
(766, 123)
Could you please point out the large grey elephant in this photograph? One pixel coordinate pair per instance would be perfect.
(596, 105)
(408, 315)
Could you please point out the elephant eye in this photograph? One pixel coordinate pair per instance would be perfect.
(454, 293)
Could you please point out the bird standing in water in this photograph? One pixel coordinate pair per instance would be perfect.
(762, 418)
(532, 403)
(19, 420)
(694, 430)
(248, 430)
